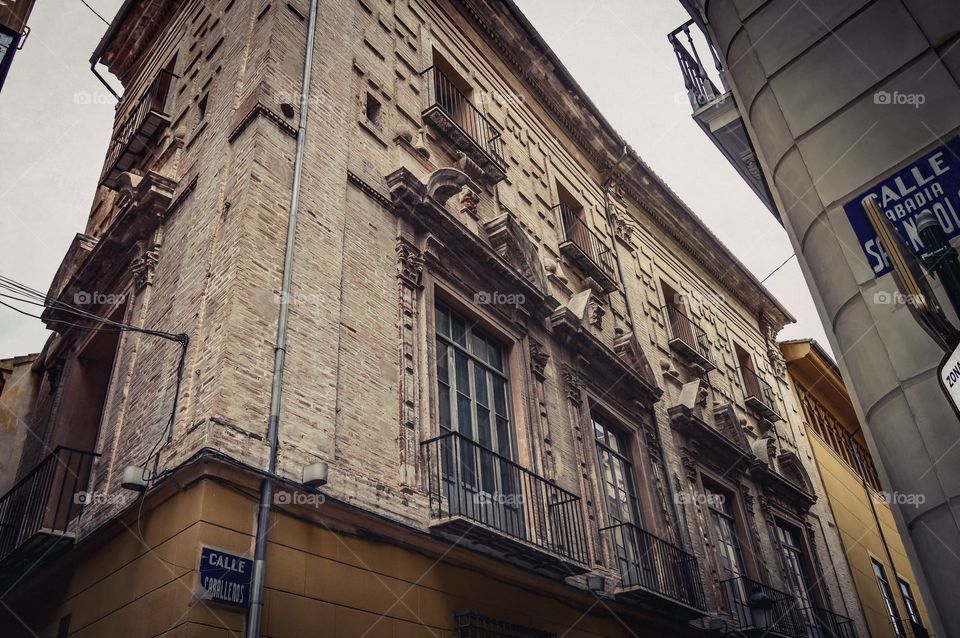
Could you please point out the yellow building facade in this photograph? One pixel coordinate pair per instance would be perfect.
(884, 581)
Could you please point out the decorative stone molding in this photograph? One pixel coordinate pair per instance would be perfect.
(143, 266)
(538, 359)
(409, 277)
(444, 183)
(409, 263)
(627, 347)
(512, 244)
(573, 384)
(469, 201)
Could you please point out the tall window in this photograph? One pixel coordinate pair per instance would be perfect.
(888, 601)
(473, 383)
(616, 469)
(623, 505)
(792, 547)
(729, 553)
(912, 610)
(481, 480)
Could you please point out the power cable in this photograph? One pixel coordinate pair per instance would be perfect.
(792, 255)
(94, 11)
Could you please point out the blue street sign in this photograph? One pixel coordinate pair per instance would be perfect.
(931, 183)
(225, 578)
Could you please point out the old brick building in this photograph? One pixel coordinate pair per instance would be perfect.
(549, 400)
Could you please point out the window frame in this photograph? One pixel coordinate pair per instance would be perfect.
(909, 601)
(886, 593)
(472, 325)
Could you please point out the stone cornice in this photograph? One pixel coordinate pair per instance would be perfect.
(511, 35)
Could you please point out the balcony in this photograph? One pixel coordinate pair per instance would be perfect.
(758, 395)
(35, 514)
(141, 129)
(582, 246)
(823, 623)
(485, 500)
(463, 124)
(687, 338)
(783, 619)
(656, 574)
(716, 112)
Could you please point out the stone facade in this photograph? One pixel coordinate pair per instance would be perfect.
(826, 112)
(404, 207)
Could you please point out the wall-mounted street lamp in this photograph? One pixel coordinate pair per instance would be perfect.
(761, 609)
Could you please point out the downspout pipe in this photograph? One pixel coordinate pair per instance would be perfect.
(103, 80)
(668, 479)
(255, 613)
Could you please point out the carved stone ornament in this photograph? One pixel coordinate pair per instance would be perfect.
(515, 247)
(409, 263)
(444, 183)
(573, 384)
(538, 359)
(469, 201)
(144, 265)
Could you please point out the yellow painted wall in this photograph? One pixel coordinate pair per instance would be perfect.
(861, 538)
(142, 583)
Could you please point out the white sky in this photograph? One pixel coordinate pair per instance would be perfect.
(56, 119)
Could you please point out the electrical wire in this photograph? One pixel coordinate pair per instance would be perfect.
(792, 255)
(26, 294)
(94, 11)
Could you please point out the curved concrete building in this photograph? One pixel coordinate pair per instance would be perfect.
(829, 99)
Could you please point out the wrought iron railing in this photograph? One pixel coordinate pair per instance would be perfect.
(783, 616)
(700, 88)
(823, 623)
(686, 330)
(576, 231)
(467, 480)
(45, 500)
(756, 388)
(154, 99)
(655, 564)
(443, 92)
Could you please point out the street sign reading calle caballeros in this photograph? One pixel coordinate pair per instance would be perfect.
(224, 578)
(930, 183)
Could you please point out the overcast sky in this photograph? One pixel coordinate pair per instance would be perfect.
(56, 119)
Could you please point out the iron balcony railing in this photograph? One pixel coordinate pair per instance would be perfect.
(823, 623)
(684, 329)
(759, 393)
(444, 93)
(467, 480)
(700, 88)
(588, 250)
(647, 561)
(141, 127)
(45, 500)
(784, 617)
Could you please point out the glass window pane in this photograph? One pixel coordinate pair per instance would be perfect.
(495, 356)
(458, 331)
(443, 321)
(478, 346)
(480, 385)
(443, 365)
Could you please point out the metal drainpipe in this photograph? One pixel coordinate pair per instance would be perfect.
(668, 479)
(103, 81)
(254, 616)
